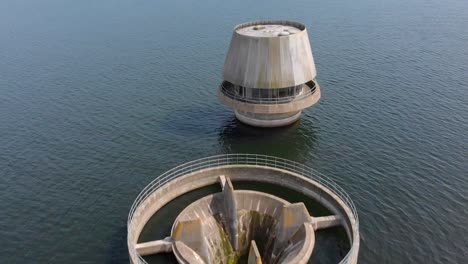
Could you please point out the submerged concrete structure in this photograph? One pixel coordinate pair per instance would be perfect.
(241, 226)
(269, 73)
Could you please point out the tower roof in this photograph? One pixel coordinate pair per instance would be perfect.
(269, 54)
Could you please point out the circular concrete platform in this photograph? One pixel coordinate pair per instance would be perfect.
(240, 167)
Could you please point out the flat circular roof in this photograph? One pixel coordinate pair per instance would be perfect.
(269, 28)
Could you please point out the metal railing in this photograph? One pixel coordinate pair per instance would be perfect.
(241, 159)
(228, 90)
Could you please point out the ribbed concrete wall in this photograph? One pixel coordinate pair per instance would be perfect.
(258, 215)
(269, 61)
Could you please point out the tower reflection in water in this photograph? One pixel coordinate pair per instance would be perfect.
(297, 141)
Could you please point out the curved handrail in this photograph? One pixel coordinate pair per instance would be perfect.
(228, 91)
(240, 159)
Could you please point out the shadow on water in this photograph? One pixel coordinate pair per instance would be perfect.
(293, 142)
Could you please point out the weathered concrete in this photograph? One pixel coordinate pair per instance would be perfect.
(268, 30)
(205, 177)
(265, 61)
(270, 122)
(303, 238)
(189, 232)
(293, 216)
(190, 256)
(323, 222)
(293, 213)
(269, 61)
(229, 209)
(153, 247)
(257, 215)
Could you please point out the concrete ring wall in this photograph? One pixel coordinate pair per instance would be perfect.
(145, 209)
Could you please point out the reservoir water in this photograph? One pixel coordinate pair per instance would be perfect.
(97, 98)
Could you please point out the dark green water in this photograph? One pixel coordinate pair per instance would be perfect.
(97, 98)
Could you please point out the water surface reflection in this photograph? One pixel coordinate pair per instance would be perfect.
(296, 142)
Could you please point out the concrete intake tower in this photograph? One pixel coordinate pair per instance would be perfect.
(269, 73)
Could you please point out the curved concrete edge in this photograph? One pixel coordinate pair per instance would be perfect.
(186, 255)
(267, 123)
(293, 106)
(208, 176)
(303, 256)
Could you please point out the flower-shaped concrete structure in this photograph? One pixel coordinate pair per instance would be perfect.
(233, 226)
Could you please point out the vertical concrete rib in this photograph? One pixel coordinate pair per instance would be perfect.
(230, 211)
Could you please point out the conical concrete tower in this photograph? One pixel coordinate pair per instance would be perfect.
(269, 73)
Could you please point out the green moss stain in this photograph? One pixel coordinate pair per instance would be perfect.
(252, 225)
(259, 227)
(225, 251)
